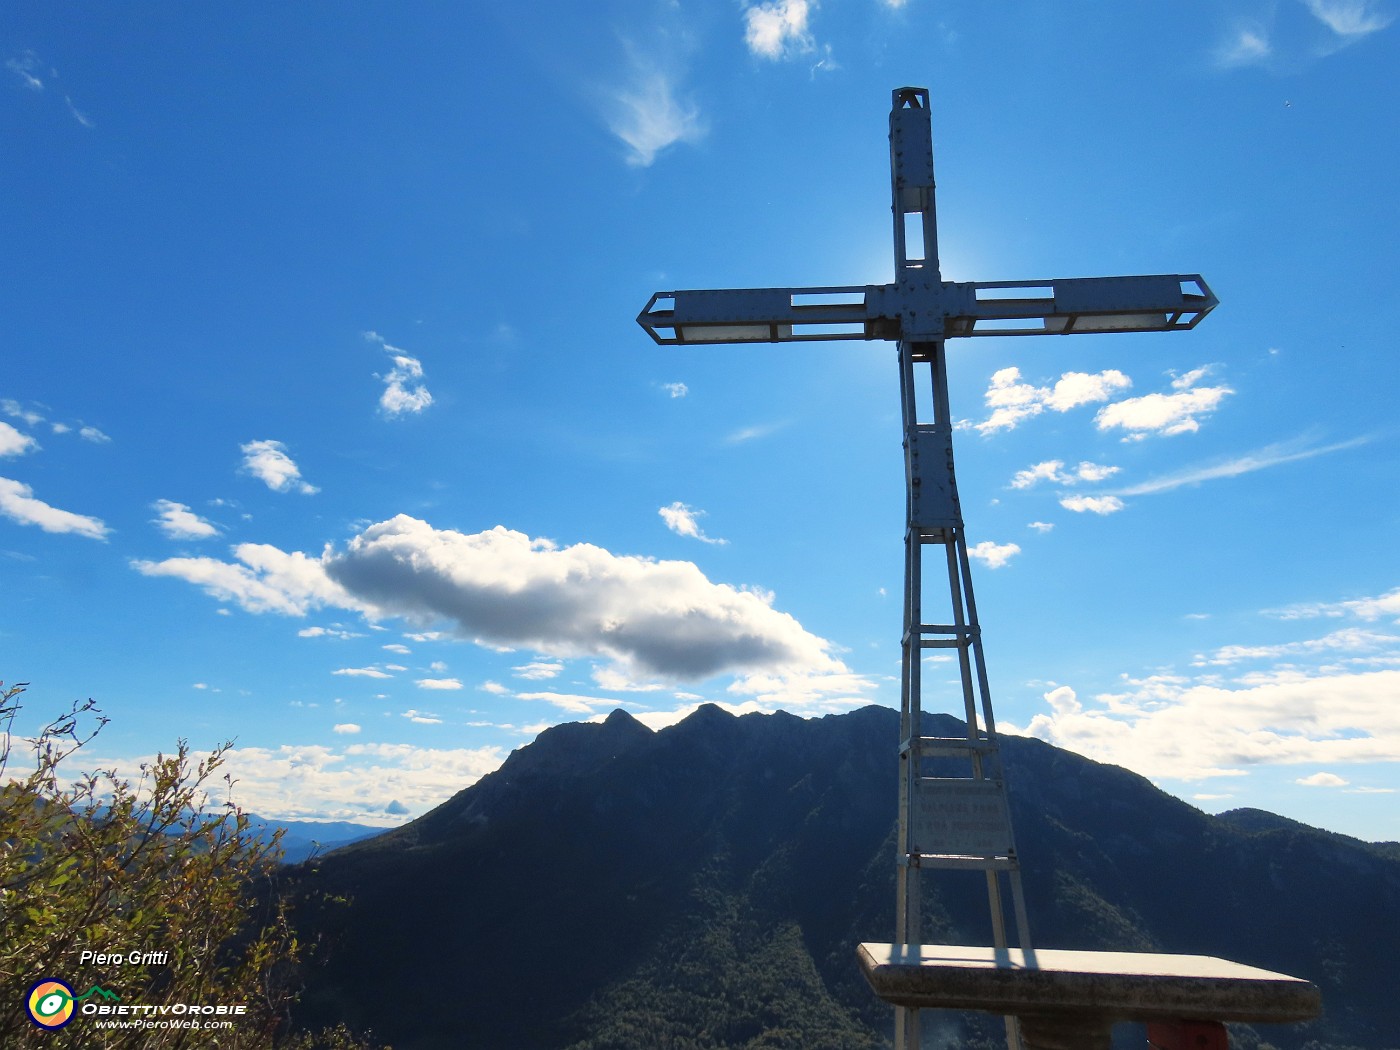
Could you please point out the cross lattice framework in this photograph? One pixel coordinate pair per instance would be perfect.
(952, 795)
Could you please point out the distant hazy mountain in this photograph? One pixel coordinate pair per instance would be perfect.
(705, 886)
(302, 839)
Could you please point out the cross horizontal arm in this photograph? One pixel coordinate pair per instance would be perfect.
(1064, 306)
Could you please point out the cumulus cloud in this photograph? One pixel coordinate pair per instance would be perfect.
(326, 632)
(647, 115)
(1093, 504)
(504, 588)
(269, 463)
(17, 503)
(180, 523)
(1054, 470)
(1162, 414)
(778, 29)
(675, 389)
(14, 442)
(682, 520)
(362, 672)
(1040, 526)
(993, 555)
(1013, 401)
(404, 391)
(268, 580)
(1322, 779)
(345, 728)
(438, 683)
(1175, 729)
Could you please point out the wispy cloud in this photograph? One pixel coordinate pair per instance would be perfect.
(26, 67)
(752, 433)
(1376, 608)
(675, 389)
(17, 503)
(94, 435)
(362, 672)
(404, 391)
(683, 521)
(14, 442)
(180, 523)
(1350, 19)
(647, 114)
(268, 462)
(1269, 456)
(1245, 45)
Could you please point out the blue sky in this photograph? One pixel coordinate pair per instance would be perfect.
(325, 424)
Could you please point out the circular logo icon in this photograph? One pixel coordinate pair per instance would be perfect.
(50, 1003)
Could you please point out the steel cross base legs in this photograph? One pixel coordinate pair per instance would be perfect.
(949, 818)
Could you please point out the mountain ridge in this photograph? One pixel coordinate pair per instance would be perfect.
(689, 880)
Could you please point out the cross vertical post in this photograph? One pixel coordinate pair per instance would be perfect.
(952, 804)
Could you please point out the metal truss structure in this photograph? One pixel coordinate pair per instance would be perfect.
(953, 811)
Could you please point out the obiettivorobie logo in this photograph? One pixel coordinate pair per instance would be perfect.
(51, 1002)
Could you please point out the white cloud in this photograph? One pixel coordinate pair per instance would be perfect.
(17, 503)
(1349, 18)
(1175, 729)
(362, 672)
(94, 435)
(26, 68)
(269, 463)
(1384, 605)
(572, 702)
(422, 718)
(778, 29)
(538, 669)
(1054, 470)
(269, 580)
(326, 632)
(500, 587)
(1346, 640)
(15, 443)
(1269, 456)
(1246, 45)
(345, 728)
(438, 683)
(1013, 401)
(681, 520)
(180, 523)
(759, 430)
(395, 647)
(1320, 779)
(1095, 504)
(675, 389)
(347, 781)
(404, 391)
(494, 688)
(993, 555)
(78, 115)
(648, 117)
(1040, 526)
(1162, 414)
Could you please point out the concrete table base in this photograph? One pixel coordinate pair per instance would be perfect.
(1069, 1000)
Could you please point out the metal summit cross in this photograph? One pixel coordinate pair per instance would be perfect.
(945, 821)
